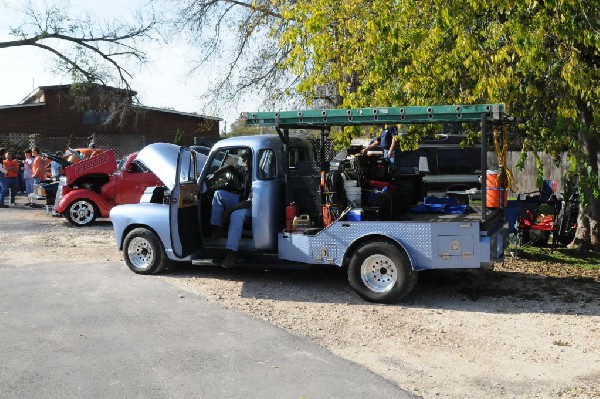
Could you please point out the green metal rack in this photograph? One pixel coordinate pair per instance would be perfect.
(315, 119)
(324, 119)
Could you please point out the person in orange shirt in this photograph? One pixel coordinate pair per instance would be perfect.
(10, 178)
(39, 166)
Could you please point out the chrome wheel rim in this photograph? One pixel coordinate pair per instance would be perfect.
(379, 273)
(140, 253)
(81, 212)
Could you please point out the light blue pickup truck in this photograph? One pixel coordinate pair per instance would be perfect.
(382, 245)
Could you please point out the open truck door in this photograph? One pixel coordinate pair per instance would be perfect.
(184, 209)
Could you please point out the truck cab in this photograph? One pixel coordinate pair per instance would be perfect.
(190, 198)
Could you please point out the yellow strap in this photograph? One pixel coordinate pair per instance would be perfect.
(501, 151)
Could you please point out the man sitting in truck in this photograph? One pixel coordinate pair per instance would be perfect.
(233, 206)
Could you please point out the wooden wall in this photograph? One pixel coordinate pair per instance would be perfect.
(58, 118)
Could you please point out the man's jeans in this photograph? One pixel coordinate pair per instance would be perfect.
(223, 200)
(3, 188)
(391, 161)
(8, 183)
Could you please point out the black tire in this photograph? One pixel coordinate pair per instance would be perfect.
(568, 224)
(535, 238)
(143, 252)
(81, 212)
(380, 271)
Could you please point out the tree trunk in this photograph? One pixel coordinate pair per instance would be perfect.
(588, 223)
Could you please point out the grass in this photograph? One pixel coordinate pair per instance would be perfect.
(586, 260)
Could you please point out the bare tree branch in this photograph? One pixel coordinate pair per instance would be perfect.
(98, 51)
(245, 34)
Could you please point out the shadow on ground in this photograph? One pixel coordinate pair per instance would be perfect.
(466, 290)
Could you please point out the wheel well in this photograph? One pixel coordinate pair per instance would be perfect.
(82, 199)
(132, 227)
(373, 237)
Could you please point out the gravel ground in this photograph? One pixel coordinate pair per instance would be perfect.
(529, 329)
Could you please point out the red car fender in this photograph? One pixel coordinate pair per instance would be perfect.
(104, 206)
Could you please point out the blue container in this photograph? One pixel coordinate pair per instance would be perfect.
(354, 215)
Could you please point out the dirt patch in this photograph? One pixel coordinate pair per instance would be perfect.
(528, 329)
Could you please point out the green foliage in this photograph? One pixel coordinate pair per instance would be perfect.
(541, 59)
(10, 146)
(538, 58)
(239, 128)
(178, 136)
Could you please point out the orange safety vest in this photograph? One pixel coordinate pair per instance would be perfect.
(38, 168)
(12, 168)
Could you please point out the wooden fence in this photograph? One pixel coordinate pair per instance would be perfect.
(525, 178)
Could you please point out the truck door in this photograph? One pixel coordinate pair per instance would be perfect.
(267, 201)
(184, 215)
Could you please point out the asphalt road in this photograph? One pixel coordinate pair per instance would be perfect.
(93, 329)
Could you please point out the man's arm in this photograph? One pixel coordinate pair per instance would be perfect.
(392, 147)
(374, 144)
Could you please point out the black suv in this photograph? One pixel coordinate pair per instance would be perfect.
(449, 166)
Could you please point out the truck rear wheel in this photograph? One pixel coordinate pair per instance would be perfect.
(379, 271)
(143, 252)
(81, 213)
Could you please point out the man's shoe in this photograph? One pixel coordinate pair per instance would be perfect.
(229, 260)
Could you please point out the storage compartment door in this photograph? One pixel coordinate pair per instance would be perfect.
(455, 246)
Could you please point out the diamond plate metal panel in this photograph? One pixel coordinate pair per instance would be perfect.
(421, 240)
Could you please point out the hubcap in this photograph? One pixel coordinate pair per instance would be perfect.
(82, 212)
(379, 273)
(140, 253)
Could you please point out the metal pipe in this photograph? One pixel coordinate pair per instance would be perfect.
(285, 138)
(483, 165)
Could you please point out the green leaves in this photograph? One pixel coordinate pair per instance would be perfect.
(542, 59)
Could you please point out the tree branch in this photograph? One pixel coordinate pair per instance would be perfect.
(109, 43)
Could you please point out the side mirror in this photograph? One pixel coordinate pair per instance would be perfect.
(423, 165)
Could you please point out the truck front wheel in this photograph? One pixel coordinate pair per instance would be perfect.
(380, 272)
(143, 252)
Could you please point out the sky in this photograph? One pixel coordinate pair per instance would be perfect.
(163, 82)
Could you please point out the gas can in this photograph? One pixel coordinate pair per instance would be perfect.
(290, 214)
(301, 223)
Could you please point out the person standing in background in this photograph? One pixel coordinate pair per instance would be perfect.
(38, 167)
(2, 182)
(28, 172)
(20, 181)
(11, 174)
(56, 168)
